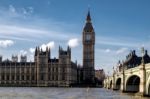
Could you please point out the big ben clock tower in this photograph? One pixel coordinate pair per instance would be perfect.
(88, 51)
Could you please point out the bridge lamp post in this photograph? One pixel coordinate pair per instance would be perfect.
(108, 82)
(142, 74)
(123, 78)
(113, 81)
(143, 52)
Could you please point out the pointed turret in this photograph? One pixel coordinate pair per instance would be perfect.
(59, 49)
(88, 26)
(46, 48)
(49, 52)
(0, 58)
(68, 49)
(36, 51)
(88, 18)
(49, 49)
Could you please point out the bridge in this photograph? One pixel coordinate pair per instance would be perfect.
(133, 75)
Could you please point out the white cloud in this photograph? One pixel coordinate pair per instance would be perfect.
(23, 52)
(32, 50)
(27, 11)
(31, 9)
(49, 45)
(107, 50)
(6, 43)
(43, 46)
(73, 42)
(31, 58)
(12, 12)
(24, 11)
(17, 12)
(12, 9)
(121, 50)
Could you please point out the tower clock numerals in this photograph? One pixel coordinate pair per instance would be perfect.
(88, 37)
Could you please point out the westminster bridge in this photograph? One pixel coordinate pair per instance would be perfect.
(129, 77)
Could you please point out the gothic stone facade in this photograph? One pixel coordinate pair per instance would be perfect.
(43, 72)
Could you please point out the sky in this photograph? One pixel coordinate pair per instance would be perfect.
(120, 26)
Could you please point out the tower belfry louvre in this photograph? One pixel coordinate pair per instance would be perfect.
(88, 40)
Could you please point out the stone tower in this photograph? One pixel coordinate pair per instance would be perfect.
(23, 58)
(14, 58)
(65, 65)
(41, 62)
(88, 51)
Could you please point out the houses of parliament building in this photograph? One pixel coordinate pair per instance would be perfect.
(45, 71)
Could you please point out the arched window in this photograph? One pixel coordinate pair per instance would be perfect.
(7, 77)
(22, 77)
(13, 77)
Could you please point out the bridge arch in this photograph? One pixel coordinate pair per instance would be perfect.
(118, 83)
(133, 83)
(148, 87)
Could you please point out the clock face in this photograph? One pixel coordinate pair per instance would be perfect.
(88, 37)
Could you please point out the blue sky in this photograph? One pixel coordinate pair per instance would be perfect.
(120, 26)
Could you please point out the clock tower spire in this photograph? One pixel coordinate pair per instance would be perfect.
(88, 40)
